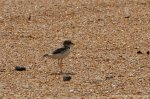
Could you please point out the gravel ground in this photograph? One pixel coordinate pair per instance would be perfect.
(110, 57)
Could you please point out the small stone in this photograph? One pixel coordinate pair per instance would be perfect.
(66, 78)
(109, 77)
(148, 52)
(99, 19)
(139, 52)
(29, 18)
(2, 70)
(120, 75)
(20, 68)
(127, 17)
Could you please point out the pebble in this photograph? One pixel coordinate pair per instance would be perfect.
(66, 78)
(139, 52)
(148, 52)
(20, 68)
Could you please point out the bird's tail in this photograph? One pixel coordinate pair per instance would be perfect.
(46, 55)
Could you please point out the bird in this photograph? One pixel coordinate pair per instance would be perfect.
(61, 53)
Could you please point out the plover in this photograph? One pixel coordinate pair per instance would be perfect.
(61, 53)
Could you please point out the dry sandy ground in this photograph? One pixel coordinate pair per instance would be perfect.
(103, 63)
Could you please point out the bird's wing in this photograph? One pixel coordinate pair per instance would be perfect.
(59, 50)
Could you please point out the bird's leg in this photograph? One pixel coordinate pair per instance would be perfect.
(58, 62)
(60, 65)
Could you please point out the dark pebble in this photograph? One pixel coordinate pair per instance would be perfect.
(19, 68)
(66, 78)
(120, 75)
(29, 18)
(109, 77)
(2, 70)
(139, 52)
(148, 52)
(99, 19)
(127, 17)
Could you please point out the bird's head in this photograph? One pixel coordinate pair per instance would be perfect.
(68, 43)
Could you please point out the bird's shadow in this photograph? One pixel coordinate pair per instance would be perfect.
(63, 73)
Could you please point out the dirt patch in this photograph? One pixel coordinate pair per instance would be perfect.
(105, 61)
